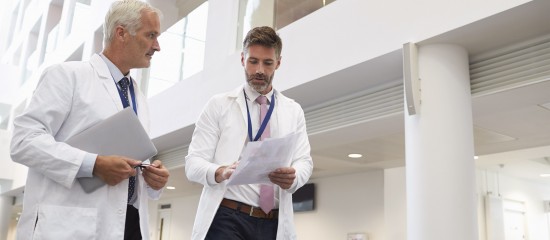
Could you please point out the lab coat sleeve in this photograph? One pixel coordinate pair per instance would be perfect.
(199, 163)
(301, 161)
(33, 143)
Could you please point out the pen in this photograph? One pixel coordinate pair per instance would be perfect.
(143, 165)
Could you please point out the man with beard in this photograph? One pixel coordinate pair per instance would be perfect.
(251, 112)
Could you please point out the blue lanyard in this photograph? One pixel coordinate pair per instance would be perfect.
(264, 122)
(132, 93)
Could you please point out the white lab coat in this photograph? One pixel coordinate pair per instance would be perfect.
(69, 98)
(218, 139)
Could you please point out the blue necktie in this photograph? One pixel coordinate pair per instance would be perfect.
(124, 83)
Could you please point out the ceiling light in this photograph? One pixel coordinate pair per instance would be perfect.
(355, 155)
(545, 175)
(476, 157)
(170, 188)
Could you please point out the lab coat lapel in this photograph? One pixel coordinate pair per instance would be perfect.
(113, 92)
(279, 104)
(142, 109)
(105, 76)
(238, 96)
(241, 101)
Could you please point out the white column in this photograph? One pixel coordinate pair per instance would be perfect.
(221, 33)
(440, 171)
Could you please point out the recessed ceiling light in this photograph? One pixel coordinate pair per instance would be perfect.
(476, 157)
(355, 155)
(545, 175)
(170, 188)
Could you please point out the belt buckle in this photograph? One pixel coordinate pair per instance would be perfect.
(251, 211)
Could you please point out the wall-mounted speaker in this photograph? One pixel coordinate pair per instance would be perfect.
(411, 81)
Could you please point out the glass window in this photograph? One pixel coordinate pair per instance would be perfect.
(182, 52)
(51, 42)
(4, 115)
(81, 17)
(13, 22)
(288, 11)
(253, 13)
(31, 60)
(281, 13)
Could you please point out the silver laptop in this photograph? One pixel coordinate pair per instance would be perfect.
(121, 134)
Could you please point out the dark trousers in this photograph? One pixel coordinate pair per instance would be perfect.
(232, 224)
(131, 229)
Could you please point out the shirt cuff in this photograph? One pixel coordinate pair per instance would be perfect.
(153, 194)
(211, 175)
(87, 167)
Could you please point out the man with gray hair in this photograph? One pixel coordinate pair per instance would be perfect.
(69, 98)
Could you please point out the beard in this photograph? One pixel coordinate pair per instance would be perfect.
(263, 85)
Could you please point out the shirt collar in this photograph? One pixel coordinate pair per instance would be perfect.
(252, 94)
(113, 69)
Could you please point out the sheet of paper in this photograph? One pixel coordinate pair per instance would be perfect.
(260, 158)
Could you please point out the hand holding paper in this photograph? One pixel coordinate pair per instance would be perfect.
(224, 172)
(258, 159)
(283, 177)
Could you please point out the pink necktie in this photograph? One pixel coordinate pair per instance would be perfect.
(267, 198)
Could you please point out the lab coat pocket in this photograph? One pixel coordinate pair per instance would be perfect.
(59, 222)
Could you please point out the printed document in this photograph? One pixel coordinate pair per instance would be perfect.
(260, 158)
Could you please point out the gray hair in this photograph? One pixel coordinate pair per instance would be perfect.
(126, 13)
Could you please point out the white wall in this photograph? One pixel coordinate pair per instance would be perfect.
(344, 204)
(10, 170)
(183, 214)
(532, 195)
(375, 203)
(5, 171)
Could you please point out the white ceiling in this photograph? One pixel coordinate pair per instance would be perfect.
(505, 123)
(512, 127)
